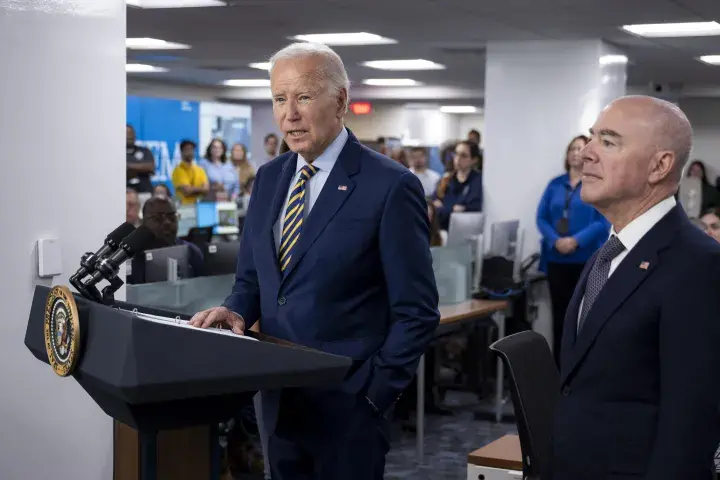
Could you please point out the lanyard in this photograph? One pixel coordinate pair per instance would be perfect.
(568, 196)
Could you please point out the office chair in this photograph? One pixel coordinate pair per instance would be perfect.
(534, 385)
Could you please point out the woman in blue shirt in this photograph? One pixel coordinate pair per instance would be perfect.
(571, 232)
(223, 178)
(461, 190)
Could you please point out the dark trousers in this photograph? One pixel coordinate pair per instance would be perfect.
(562, 279)
(331, 437)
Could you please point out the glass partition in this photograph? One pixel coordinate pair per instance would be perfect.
(183, 296)
(452, 267)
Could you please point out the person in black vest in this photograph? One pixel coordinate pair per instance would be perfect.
(140, 163)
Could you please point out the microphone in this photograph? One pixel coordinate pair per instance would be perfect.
(107, 268)
(112, 242)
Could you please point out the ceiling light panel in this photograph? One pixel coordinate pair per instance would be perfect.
(247, 82)
(345, 39)
(400, 65)
(143, 68)
(260, 65)
(146, 43)
(458, 109)
(390, 82)
(175, 3)
(613, 60)
(689, 29)
(710, 59)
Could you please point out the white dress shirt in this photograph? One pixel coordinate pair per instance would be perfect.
(636, 230)
(324, 164)
(631, 235)
(429, 180)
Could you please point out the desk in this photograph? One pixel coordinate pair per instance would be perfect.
(499, 460)
(470, 310)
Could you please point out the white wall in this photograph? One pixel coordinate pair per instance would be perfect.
(470, 122)
(263, 123)
(63, 109)
(704, 114)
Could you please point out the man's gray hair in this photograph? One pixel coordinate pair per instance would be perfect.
(332, 68)
(674, 132)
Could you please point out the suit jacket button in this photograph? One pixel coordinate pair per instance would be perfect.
(566, 391)
(282, 301)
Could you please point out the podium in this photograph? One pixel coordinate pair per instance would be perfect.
(158, 377)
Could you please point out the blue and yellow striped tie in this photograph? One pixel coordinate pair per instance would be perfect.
(292, 225)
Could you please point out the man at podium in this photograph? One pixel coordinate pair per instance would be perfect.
(335, 256)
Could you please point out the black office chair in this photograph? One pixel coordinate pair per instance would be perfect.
(535, 382)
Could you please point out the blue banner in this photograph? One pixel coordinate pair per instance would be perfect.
(161, 124)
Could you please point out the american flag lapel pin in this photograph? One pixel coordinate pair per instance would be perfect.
(342, 188)
(644, 265)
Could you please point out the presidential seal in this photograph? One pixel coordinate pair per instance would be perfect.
(62, 330)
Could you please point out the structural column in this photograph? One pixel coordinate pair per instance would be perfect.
(538, 95)
(62, 116)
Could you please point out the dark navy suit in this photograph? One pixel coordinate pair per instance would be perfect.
(360, 284)
(640, 383)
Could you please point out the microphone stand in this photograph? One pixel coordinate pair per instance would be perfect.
(108, 293)
(88, 291)
(91, 292)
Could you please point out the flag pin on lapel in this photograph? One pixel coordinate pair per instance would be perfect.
(342, 187)
(644, 265)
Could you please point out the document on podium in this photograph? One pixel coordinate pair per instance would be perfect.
(178, 322)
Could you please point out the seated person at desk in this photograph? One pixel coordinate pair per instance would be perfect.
(462, 190)
(161, 217)
(188, 178)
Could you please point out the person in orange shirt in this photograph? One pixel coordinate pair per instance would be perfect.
(188, 178)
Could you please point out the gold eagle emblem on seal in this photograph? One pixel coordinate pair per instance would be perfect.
(62, 330)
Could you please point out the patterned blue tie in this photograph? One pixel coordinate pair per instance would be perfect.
(292, 225)
(599, 275)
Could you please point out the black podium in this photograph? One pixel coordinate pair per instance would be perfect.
(155, 376)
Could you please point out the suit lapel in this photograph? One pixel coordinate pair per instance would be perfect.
(281, 190)
(633, 270)
(573, 311)
(329, 201)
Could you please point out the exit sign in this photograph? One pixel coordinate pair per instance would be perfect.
(361, 108)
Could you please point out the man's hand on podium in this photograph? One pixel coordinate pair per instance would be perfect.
(219, 316)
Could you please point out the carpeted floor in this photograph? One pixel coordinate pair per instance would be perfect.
(448, 440)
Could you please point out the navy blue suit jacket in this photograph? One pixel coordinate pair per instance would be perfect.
(640, 383)
(360, 283)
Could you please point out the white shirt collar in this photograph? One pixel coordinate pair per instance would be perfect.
(327, 159)
(636, 230)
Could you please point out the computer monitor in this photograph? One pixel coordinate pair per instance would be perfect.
(187, 219)
(222, 216)
(206, 214)
(227, 218)
(221, 258)
(504, 238)
(156, 263)
(464, 227)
